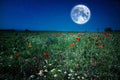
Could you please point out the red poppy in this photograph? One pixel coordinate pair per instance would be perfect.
(47, 54)
(107, 32)
(96, 44)
(78, 39)
(17, 55)
(100, 39)
(106, 35)
(101, 46)
(29, 46)
(56, 35)
(72, 45)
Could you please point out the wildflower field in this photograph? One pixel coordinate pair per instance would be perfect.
(59, 55)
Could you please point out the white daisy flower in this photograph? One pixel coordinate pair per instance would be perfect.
(68, 77)
(59, 70)
(75, 74)
(44, 66)
(49, 64)
(45, 76)
(65, 72)
(83, 78)
(69, 74)
(53, 70)
(71, 70)
(78, 77)
(73, 78)
(46, 70)
(32, 76)
(46, 61)
(55, 75)
(41, 73)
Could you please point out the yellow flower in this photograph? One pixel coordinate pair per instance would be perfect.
(29, 46)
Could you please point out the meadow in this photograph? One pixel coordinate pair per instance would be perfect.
(59, 55)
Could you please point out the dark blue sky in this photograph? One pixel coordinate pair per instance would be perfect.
(55, 15)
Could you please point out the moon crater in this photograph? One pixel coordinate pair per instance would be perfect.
(80, 14)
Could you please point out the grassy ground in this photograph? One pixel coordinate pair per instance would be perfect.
(59, 56)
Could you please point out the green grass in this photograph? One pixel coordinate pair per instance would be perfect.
(94, 57)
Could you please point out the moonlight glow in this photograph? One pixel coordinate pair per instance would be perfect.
(80, 14)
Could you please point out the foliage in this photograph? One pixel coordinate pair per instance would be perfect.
(59, 55)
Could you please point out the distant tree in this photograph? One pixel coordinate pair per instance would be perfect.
(116, 30)
(27, 30)
(108, 29)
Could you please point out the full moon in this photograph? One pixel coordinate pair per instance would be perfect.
(80, 14)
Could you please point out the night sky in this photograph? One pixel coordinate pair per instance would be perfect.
(54, 15)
